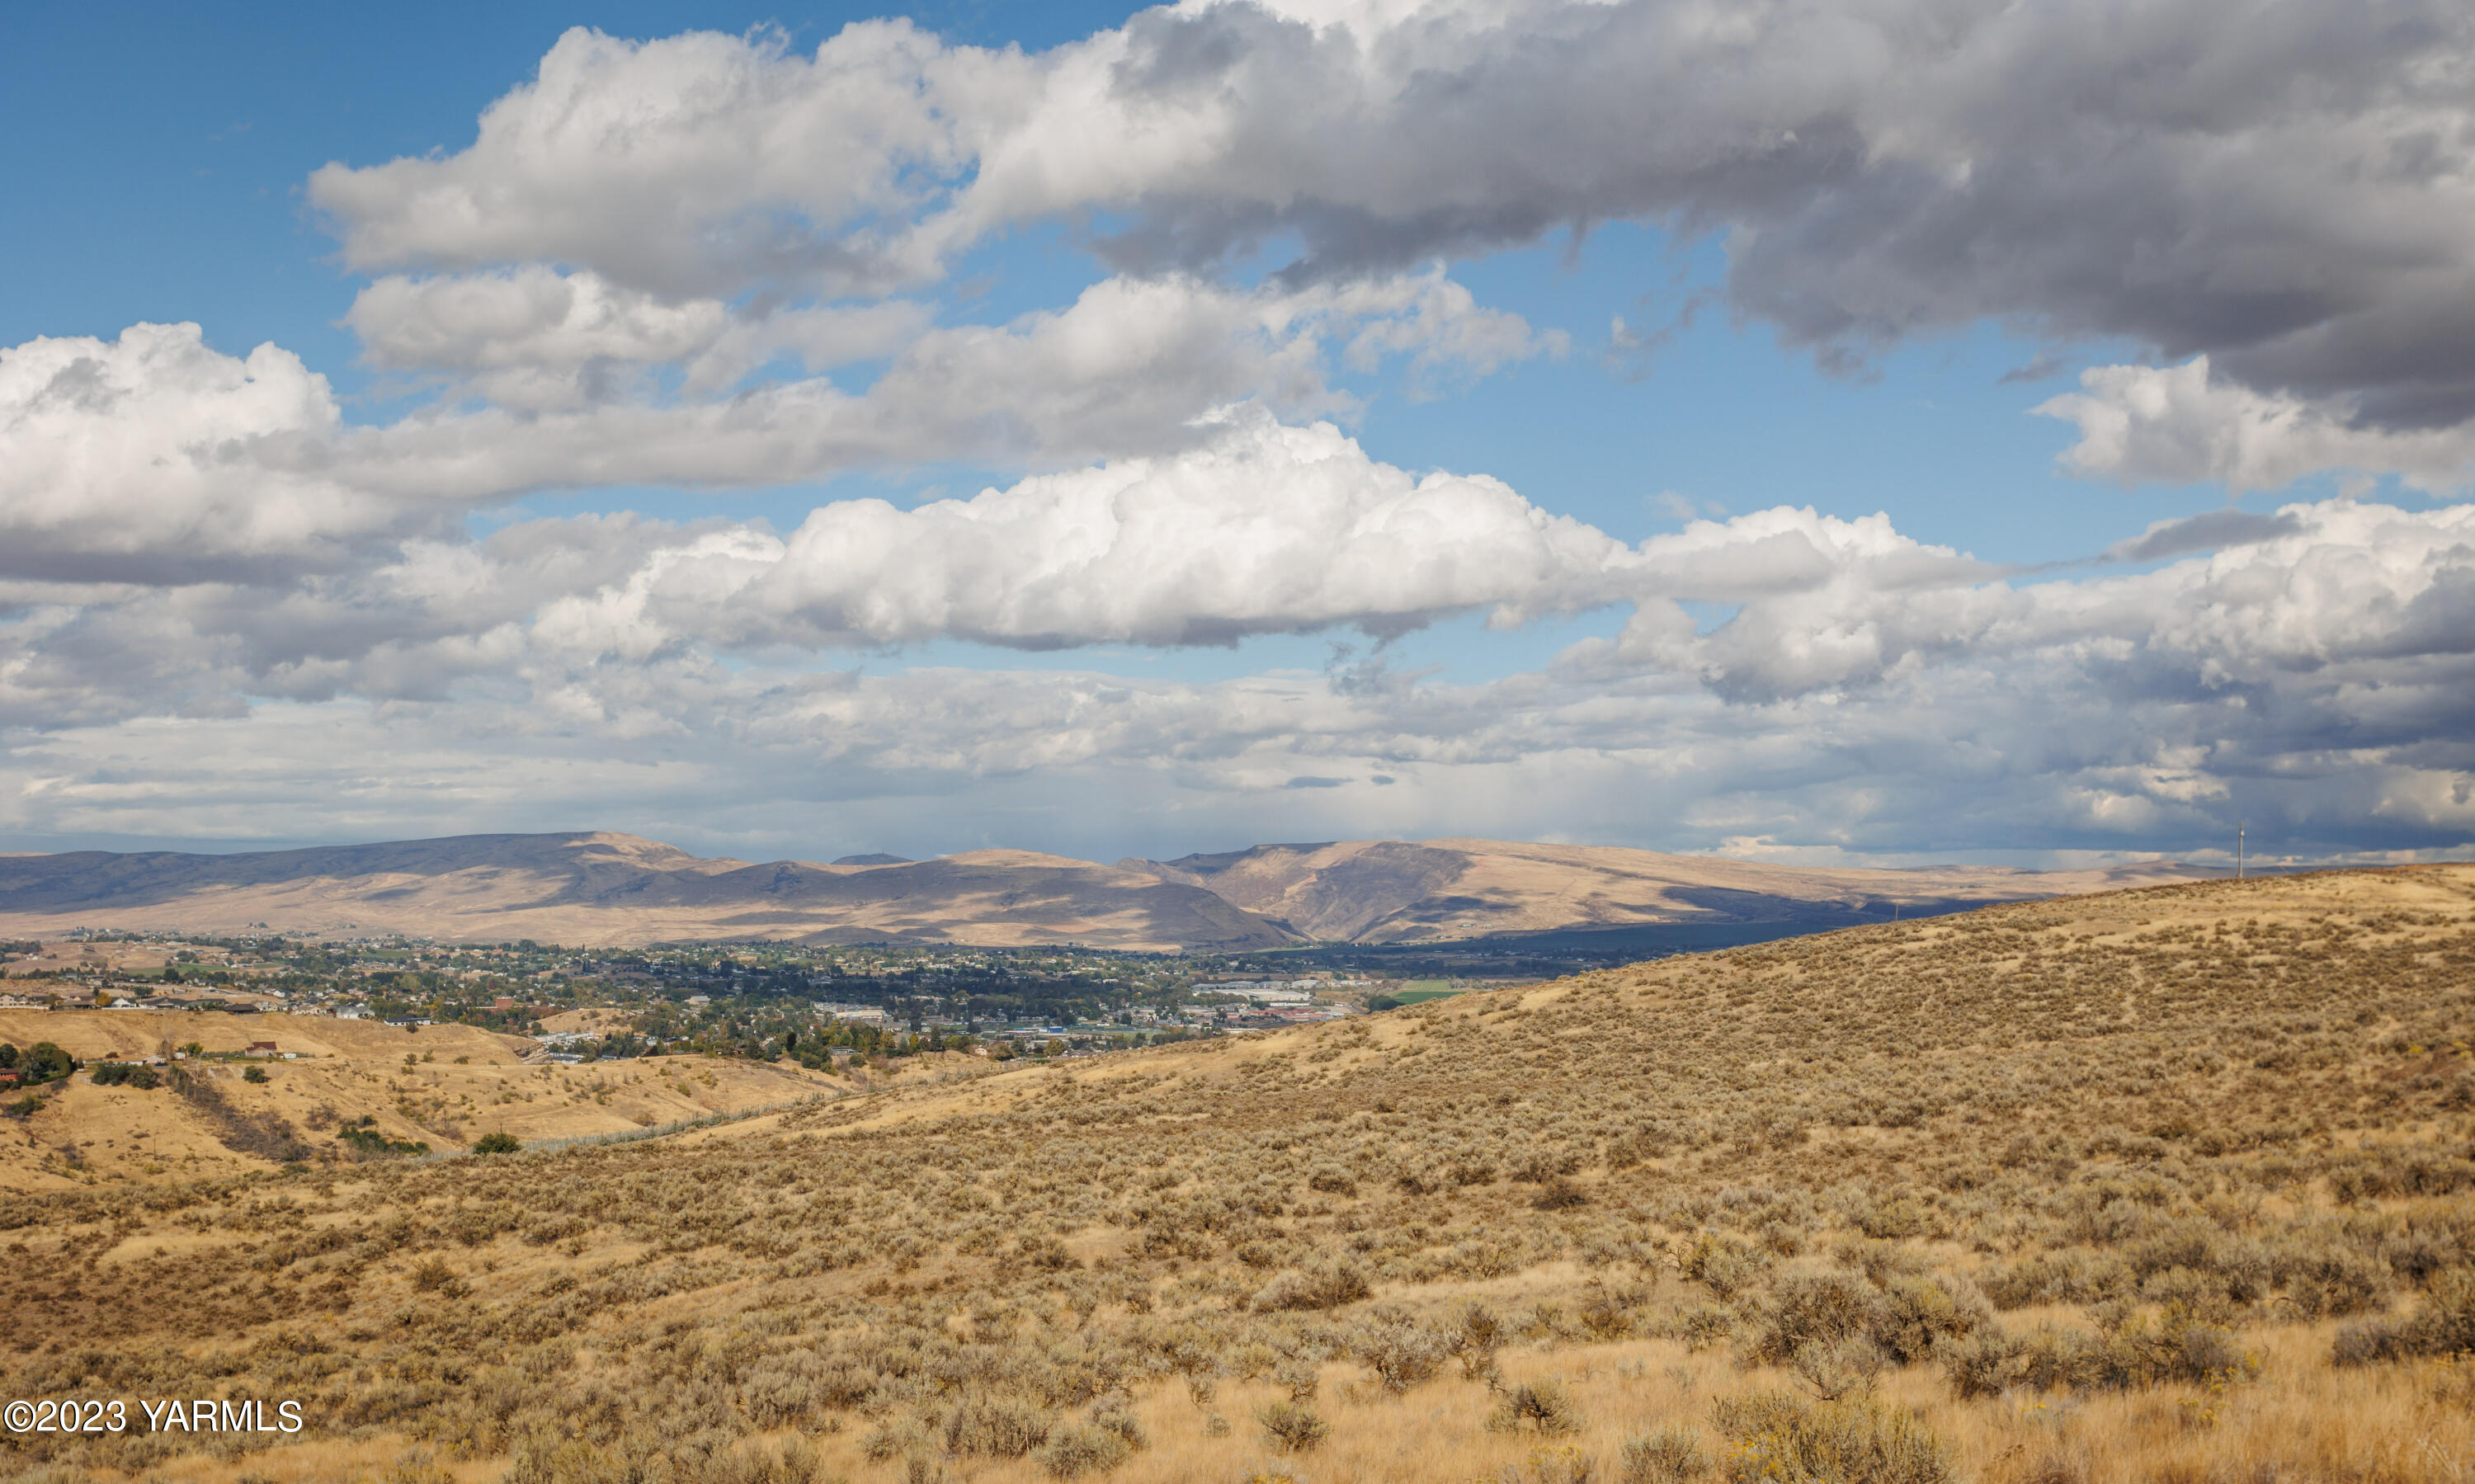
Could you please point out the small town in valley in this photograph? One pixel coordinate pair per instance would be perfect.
(764, 1001)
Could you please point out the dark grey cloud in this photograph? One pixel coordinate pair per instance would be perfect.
(2276, 194)
(2319, 685)
(2284, 186)
(2313, 675)
(2215, 531)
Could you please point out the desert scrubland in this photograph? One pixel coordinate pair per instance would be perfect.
(2163, 1184)
(442, 1085)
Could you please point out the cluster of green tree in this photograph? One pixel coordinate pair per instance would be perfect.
(309, 958)
(815, 1049)
(517, 1021)
(126, 1074)
(997, 985)
(44, 1062)
(200, 974)
(810, 1047)
(361, 1135)
(270, 946)
(410, 984)
(1057, 1046)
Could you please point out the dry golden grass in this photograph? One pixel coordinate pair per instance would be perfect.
(2060, 1193)
(121, 1032)
(463, 1083)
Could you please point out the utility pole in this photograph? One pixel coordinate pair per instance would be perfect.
(2239, 850)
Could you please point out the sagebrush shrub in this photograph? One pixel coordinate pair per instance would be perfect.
(1292, 1427)
(1832, 1369)
(1557, 1193)
(2332, 1281)
(1606, 1315)
(1670, 1455)
(1401, 1352)
(2076, 1275)
(1810, 1308)
(1985, 1364)
(2175, 1346)
(2444, 1324)
(996, 1426)
(1331, 1180)
(1704, 1325)
(1080, 1448)
(894, 1438)
(1851, 1441)
(1115, 1417)
(1916, 1317)
(1326, 1285)
(1724, 1265)
(1542, 1407)
(435, 1275)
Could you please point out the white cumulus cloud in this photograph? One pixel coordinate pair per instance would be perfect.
(2281, 188)
(151, 457)
(688, 166)
(2179, 424)
(1266, 529)
(537, 338)
(154, 457)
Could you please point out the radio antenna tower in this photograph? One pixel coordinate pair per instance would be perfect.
(2239, 850)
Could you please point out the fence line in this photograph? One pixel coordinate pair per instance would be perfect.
(717, 1118)
(680, 1126)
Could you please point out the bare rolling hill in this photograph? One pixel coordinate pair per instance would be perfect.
(614, 890)
(1393, 892)
(2156, 1185)
(471, 1083)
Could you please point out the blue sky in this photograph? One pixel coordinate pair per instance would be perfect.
(1119, 267)
(157, 156)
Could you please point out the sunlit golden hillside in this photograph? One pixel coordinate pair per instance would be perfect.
(441, 1086)
(2162, 1184)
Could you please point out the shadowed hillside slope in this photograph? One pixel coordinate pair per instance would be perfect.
(604, 889)
(2170, 1184)
(1392, 891)
(609, 890)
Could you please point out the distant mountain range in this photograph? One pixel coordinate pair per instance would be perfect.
(1393, 892)
(612, 890)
